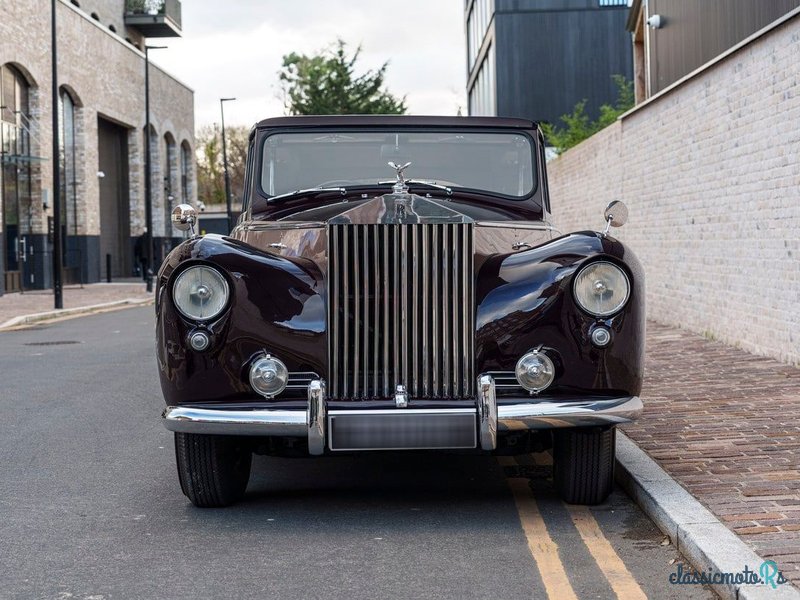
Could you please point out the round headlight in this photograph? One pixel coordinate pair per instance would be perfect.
(200, 293)
(602, 288)
(535, 371)
(269, 376)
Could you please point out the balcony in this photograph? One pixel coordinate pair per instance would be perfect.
(154, 18)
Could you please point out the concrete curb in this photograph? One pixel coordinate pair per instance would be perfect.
(23, 320)
(696, 532)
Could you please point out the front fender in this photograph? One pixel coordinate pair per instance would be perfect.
(277, 304)
(525, 299)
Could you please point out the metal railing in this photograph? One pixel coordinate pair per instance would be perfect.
(166, 8)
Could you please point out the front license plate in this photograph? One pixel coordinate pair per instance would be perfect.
(402, 429)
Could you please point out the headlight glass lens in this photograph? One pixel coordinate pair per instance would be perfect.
(200, 293)
(535, 371)
(602, 288)
(269, 376)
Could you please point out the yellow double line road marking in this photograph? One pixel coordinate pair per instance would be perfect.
(545, 550)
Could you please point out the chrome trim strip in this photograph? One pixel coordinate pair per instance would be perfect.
(235, 422)
(396, 295)
(386, 296)
(447, 313)
(517, 225)
(435, 348)
(316, 417)
(377, 308)
(468, 351)
(426, 390)
(333, 301)
(458, 241)
(403, 290)
(345, 311)
(367, 319)
(487, 413)
(415, 256)
(403, 411)
(357, 310)
(547, 415)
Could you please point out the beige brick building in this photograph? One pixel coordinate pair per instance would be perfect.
(101, 77)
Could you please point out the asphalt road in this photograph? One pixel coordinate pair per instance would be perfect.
(90, 505)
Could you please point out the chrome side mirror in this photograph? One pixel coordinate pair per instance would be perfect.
(615, 214)
(184, 217)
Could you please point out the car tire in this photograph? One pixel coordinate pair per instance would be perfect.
(583, 464)
(213, 469)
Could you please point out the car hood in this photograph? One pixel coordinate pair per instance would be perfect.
(400, 209)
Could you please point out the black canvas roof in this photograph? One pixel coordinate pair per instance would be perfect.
(394, 121)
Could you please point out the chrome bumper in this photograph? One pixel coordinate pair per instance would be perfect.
(315, 421)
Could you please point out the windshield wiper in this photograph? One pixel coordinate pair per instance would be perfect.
(306, 192)
(431, 184)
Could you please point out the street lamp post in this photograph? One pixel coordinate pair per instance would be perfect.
(57, 284)
(225, 164)
(148, 195)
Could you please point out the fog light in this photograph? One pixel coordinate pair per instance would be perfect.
(268, 376)
(535, 371)
(199, 340)
(601, 337)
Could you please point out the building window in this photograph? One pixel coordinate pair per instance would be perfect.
(482, 95)
(15, 171)
(186, 170)
(607, 3)
(169, 183)
(477, 25)
(68, 160)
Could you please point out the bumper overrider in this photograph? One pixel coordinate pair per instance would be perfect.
(404, 428)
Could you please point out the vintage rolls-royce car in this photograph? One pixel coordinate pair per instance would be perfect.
(394, 283)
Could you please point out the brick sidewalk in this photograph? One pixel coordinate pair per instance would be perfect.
(14, 305)
(726, 425)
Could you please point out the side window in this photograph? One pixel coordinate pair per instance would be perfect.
(545, 184)
(247, 188)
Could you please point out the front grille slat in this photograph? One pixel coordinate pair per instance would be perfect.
(400, 310)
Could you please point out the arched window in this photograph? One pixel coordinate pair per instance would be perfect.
(68, 155)
(186, 172)
(15, 171)
(170, 187)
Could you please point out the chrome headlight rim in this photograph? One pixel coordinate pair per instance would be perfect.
(608, 313)
(549, 370)
(223, 279)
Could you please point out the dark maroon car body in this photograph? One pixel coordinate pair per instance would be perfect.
(520, 283)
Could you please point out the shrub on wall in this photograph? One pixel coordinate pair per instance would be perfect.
(578, 126)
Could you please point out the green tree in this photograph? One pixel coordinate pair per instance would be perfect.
(578, 126)
(326, 84)
(210, 168)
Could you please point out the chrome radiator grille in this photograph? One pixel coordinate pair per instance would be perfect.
(400, 310)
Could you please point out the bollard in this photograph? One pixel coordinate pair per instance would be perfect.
(108, 268)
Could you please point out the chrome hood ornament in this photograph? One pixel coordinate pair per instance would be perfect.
(400, 186)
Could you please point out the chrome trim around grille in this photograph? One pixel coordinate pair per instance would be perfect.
(487, 413)
(316, 417)
(401, 310)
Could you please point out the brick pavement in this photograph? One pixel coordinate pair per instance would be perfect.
(726, 425)
(14, 305)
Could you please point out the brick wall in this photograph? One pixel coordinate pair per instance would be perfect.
(710, 171)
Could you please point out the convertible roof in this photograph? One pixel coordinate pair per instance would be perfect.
(394, 121)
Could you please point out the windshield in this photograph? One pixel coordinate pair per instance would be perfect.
(499, 163)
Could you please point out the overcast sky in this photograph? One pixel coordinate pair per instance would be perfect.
(234, 48)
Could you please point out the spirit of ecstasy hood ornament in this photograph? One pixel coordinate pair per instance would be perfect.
(400, 186)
